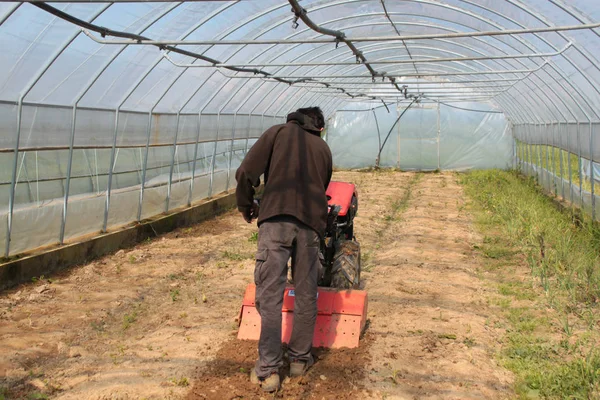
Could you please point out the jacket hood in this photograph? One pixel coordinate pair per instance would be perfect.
(305, 122)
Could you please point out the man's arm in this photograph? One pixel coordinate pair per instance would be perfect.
(329, 169)
(248, 174)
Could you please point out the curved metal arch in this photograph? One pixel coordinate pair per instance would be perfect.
(126, 96)
(522, 41)
(508, 107)
(10, 12)
(582, 95)
(331, 4)
(489, 44)
(445, 28)
(58, 51)
(72, 141)
(493, 45)
(556, 68)
(232, 30)
(324, 6)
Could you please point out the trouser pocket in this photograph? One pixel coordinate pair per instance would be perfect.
(259, 269)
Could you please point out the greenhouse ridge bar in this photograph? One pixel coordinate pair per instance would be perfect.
(112, 113)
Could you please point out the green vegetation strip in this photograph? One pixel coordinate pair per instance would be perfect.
(546, 265)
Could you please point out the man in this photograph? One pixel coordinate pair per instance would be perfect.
(297, 167)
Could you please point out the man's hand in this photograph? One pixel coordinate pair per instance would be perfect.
(250, 213)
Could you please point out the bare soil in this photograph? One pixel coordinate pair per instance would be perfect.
(158, 321)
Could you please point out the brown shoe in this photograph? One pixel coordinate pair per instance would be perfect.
(298, 368)
(269, 384)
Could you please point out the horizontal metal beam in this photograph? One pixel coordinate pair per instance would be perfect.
(358, 38)
(396, 76)
(421, 82)
(411, 61)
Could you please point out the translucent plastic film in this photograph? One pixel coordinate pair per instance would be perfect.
(425, 138)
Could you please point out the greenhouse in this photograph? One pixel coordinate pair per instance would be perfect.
(474, 124)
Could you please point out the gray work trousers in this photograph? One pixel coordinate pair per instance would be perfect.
(279, 239)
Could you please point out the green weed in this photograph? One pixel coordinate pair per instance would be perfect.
(524, 227)
(129, 319)
(182, 382)
(450, 336)
(253, 237)
(174, 294)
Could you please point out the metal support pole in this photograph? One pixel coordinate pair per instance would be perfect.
(540, 162)
(63, 221)
(231, 151)
(592, 172)
(553, 161)
(145, 167)
(527, 159)
(438, 135)
(560, 153)
(248, 134)
(111, 171)
(579, 167)
(569, 167)
(398, 143)
(168, 199)
(13, 181)
(392, 128)
(213, 161)
(515, 149)
(547, 160)
(199, 128)
(528, 151)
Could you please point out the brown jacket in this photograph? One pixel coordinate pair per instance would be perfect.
(297, 167)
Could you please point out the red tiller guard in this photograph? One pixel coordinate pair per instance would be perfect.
(341, 317)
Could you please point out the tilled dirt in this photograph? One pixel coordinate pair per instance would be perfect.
(158, 321)
(338, 373)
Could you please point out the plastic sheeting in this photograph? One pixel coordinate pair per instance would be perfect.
(171, 135)
(423, 139)
(571, 136)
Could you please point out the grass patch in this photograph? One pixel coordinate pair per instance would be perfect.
(398, 206)
(37, 396)
(552, 332)
(235, 256)
(562, 254)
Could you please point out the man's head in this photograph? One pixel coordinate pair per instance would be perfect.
(315, 114)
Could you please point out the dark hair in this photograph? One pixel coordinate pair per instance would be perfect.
(316, 114)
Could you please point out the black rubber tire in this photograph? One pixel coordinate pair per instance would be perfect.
(345, 271)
